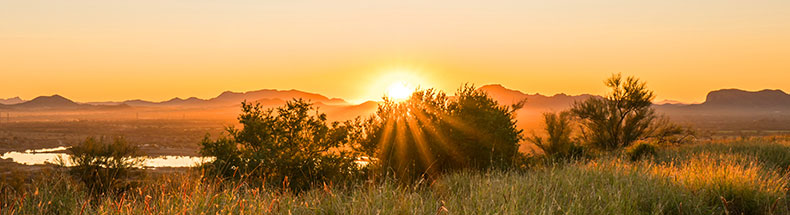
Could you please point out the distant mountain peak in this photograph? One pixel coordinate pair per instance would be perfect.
(493, 86)
(274, 94)
(11, 101)
(53, 101)
(230, 98)
(508, 96)
(667, 101)
(498, 88)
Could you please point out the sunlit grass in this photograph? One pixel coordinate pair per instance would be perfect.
(708, 178)
(730, 183)
(772, 153)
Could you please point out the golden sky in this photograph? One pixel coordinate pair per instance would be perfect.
(116, 50)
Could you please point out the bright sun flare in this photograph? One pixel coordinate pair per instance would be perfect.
(399, 91)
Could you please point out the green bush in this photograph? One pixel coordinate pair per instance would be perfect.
(290, 146)
(431, 133)
(106, 168)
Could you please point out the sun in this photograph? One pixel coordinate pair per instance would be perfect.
(399, 91)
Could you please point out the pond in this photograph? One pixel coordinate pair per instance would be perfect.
(51, 155)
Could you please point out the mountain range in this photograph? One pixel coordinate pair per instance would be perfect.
(725, 99)
(533, 101)
(54, 102)
(732, 106)
(225, 99)
(723, 110)
(719, 99)
(10, 101)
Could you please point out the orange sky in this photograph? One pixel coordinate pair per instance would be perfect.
(156, 50)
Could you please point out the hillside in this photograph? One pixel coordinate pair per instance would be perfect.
(58, 103)
(11, 101)
(47, 102)
(228, 98)
(534, 101)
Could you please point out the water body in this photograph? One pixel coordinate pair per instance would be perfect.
(52, 155)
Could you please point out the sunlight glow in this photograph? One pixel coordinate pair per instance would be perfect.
(396, 83)
(399, 91)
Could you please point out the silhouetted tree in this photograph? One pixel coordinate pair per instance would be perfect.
(430, 133)
(622, 117)
(292, 145)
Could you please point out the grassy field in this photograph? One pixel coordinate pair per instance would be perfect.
(744, 176)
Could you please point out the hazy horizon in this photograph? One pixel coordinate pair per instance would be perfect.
(157, 50)
(657, 100)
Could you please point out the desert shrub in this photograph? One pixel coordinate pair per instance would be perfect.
(431, 133)
(624, 116)
(640, 150)
(618, 119)
(291, 146)
(558, 142)
(664, 132)
(106, 168)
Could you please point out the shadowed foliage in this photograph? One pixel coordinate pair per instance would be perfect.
(558, 142)
(106, 168)
(641, 150)
(292, 145)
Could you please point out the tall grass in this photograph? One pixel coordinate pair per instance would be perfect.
(772, 153)
(717, 178)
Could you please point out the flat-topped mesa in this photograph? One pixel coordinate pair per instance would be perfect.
(748, 99)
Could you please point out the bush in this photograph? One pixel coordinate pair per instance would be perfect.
(662, 131)
(641, 150)
(620, 118)
(431, 133)
(106, 168)
(558, 144)
(625, 116)
(291, 146)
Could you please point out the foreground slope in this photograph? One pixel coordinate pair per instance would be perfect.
(715, 177)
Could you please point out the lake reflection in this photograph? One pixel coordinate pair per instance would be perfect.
(47, 155)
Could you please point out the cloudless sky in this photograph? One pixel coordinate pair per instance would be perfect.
(117, 50)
